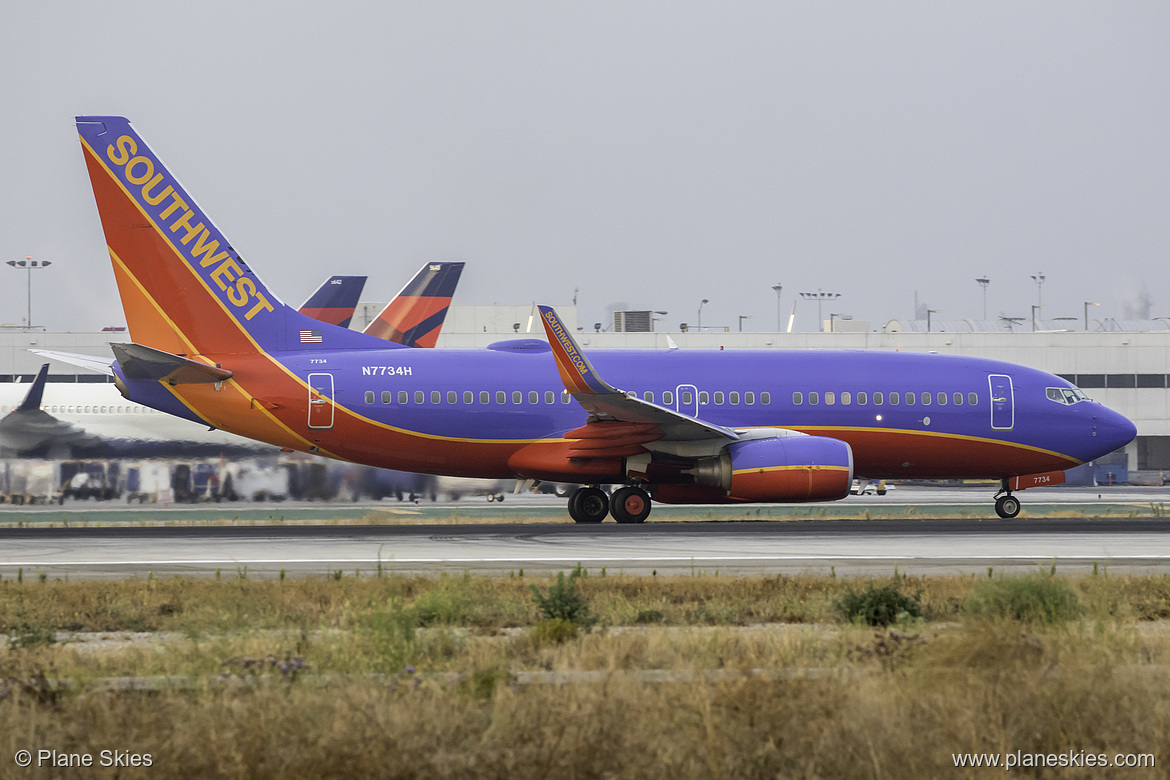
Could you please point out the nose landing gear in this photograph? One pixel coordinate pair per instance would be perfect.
(1007, 506)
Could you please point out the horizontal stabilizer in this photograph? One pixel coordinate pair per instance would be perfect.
(140, 362)
(91, 362)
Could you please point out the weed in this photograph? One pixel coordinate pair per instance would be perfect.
(882, 606)
(563, 601)
(1035, 598)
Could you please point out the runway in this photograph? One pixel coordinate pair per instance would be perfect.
(847, 547)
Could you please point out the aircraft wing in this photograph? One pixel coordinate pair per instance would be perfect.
(101, 365)
(607, 404)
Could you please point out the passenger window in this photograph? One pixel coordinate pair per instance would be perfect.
(704, 398)
(403, 397)
(468, 397)
(687, 397)
(814, 398)
(973, 399)
(830, 398)
(485, 397)
(719, 398)
(909, 398)
(452, 397)
(878, 399)
(533, 397)
(549, 397)
(942, 399)
(419, 396)
(667, 397)
(846, 398)
(733, 398)
(926, 399)
(749, 398)
(862, 399)
(565, 398)
(501, 397)
(387, 396)
(517, 396)
(765, 398)
(648, 396)
(958, 399)
(797, 398)
(436, 397)
(369, 396)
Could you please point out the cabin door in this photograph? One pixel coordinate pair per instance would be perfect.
(1003, 412)
(686, 400)
(320, 401)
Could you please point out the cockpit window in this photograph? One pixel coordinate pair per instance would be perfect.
(1065, 395)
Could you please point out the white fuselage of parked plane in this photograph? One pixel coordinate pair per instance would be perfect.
(99, 410)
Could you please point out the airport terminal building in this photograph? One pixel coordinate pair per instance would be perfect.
(1126, 366)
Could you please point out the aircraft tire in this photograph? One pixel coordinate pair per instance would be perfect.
(588, 505)
(630, 505)
(1007, 507)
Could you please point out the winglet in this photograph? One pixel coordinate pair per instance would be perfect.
(32, 401)
(576, 371)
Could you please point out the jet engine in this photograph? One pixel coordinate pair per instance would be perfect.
(773, 470)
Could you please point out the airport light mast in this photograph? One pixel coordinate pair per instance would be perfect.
(983, 281)
(29, 264)
(820, 297)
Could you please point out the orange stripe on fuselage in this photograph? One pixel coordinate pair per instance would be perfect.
(881, 454)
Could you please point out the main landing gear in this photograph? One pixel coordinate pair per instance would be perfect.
(1007, 506)
(627, 505)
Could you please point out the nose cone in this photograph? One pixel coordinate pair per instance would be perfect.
(1114, 431)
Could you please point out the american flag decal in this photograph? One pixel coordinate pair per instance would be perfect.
(310, 337)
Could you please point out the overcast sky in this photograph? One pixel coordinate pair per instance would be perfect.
(648, 154)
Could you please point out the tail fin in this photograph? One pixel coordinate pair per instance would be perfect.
(335, 300)
(416, 314)
(32, 400)
(184, 289)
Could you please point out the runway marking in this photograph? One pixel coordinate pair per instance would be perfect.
(580, 559)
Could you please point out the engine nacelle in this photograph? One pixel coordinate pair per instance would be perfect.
(791, 468)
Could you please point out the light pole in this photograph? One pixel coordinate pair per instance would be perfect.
(820, 297)
(928, 313)
(1087, 305)
(983, 282)
(743, 317)
(1038, 278)
(700, 317)
(777, 287)
(29, 264)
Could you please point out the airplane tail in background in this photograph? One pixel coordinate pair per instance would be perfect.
(335, 300)
(184, 289)
(415, 316)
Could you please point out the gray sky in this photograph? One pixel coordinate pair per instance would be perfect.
(651, 154)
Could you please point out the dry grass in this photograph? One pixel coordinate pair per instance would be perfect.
(848, 701)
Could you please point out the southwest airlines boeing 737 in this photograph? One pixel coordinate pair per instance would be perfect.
(213, 344)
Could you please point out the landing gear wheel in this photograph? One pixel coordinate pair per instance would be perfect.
(630, 505)
(588, 505)
(1007, 507)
